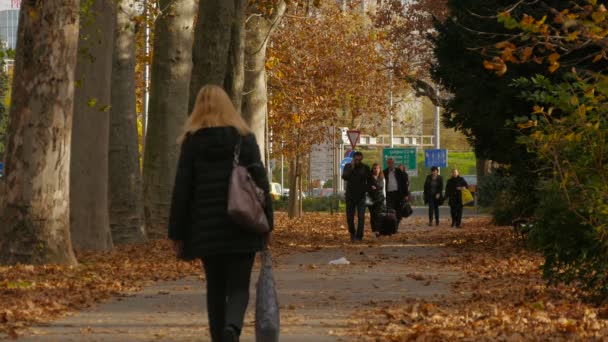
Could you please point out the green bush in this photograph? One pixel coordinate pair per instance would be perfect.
(4, 80)
(573, 250)
(510, 196)
(568, 133)
(491, 186)
(314, 204)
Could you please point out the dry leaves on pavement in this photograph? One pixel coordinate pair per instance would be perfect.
(501, 298)
(31, 294)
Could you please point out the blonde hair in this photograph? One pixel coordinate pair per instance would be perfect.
(213, 108)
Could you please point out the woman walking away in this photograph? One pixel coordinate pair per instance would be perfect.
(199, 226)
(377, 195)
(433, 187)
(453, 192)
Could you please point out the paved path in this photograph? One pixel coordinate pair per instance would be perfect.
(317, 299)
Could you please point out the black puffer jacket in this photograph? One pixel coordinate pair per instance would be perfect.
(200, 196)
(455, 196)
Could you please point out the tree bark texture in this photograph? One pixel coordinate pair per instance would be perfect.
(89, 218)
(255, 99)
(34, 225)
(171, 67)
(218, 51)
(293, 209)
(126, 200)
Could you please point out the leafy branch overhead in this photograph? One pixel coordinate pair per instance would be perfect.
(314, 67)
(564, 36)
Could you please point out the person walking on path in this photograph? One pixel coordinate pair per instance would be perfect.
(453, 192)
(397, 187)
(357, 175)
(199, 226)
(433, 188)
(377, 194)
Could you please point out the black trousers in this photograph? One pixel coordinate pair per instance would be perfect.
(358, 207)
(395, 200)
(456, 212)
(228, 278)
(433, 209)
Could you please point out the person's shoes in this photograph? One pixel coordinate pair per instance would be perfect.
(430, 223)
(436, 223)
(230, 334)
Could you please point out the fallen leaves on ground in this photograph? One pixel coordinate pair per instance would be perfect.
(502, 296)
(312, 231)
(35, 294)
(32, 294)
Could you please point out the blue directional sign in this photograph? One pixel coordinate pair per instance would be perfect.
(436, 157)
(344, 162)
(1, 168)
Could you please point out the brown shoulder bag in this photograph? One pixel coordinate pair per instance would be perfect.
(245, 198)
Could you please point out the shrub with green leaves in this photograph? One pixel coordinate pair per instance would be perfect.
(4, 80)
(510, 196)
(568, 131)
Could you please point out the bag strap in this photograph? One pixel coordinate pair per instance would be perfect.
(237, 152)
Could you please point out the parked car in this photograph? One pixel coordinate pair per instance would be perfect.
(316, 192)
(470, 179)
(286, 193)
(330, 192)
(275, 191)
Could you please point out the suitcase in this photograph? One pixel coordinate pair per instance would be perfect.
(386, 221)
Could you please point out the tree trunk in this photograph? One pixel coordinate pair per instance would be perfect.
(36, 213)
(259, 28)
(126, 202)
(171, 66)
(89, 219)
(483, 166)
(218, 51)
(294, 209)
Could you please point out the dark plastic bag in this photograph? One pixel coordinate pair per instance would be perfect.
(267, 316)
(406, 210)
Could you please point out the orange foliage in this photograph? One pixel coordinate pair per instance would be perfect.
(324, 69)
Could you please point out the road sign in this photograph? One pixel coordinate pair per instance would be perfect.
(349, 153)
(353, 137)
(436, 157)
(1, 169)
(405, 156)
(321, 162)
(345, 161)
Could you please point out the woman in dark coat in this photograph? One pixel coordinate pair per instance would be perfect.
(377, 194)
(199, 226)
(453, 192)
(433, 188)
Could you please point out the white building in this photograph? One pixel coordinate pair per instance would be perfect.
(9, 22)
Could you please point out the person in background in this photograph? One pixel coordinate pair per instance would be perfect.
(377, 194)
(453, 193)
(433, 188)
(397, 184)
(407, 181)
(357, 175)
(199, 226)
